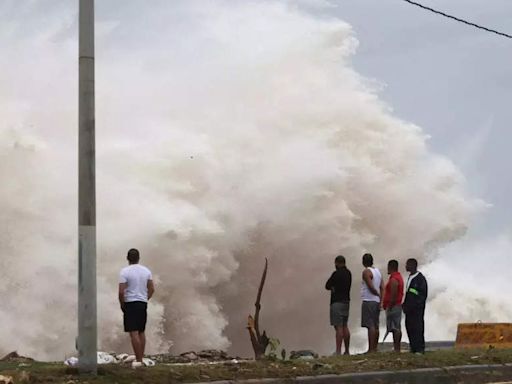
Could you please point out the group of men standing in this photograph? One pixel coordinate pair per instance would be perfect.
(377, 296)
(136, 288)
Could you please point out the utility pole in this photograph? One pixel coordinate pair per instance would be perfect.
(87, 341)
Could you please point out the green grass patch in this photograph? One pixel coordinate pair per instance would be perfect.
(36, 372)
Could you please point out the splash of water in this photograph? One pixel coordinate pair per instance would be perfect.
(226, 133)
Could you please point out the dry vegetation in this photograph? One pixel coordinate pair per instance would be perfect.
(37, 372)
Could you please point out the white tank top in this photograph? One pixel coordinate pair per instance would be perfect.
(366, 295)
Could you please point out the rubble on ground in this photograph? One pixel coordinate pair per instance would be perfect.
(192, 357)
(111, 358)
(6, 380)
(13, 357)
(206, 356)
(305, 354)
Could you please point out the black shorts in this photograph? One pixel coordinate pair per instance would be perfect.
(135, 316)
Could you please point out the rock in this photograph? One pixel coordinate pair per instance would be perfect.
(303, 355)
(6, 380)
(213, 355)
(167, 358)
(192, 356)
(209, 355)
(13, 356)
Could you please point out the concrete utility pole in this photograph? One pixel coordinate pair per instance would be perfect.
(87, 342)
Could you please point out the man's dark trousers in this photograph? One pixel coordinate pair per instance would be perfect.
(415, 326)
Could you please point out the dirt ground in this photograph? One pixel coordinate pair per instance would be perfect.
(27, 371)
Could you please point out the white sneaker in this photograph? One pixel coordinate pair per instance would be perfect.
(137, 364)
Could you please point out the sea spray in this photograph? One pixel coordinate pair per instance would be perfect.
(227, 133)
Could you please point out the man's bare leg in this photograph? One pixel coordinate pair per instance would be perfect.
(372, 334)
(142, 337)
(346, 339)
(339, 338)
(137, 345)
(397, 339)
(371, 331)
(376, 340)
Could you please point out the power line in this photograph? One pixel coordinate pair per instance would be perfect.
(457, 19)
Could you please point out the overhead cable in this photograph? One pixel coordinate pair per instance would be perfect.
(458, 19)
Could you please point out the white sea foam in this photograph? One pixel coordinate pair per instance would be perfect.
(227, 133)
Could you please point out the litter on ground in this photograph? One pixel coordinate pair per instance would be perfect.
(110, 358)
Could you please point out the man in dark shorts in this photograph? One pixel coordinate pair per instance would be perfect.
(392, 303)
(339, 284)
(135, 289)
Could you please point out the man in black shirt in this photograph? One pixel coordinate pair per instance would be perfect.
(339, 284)
(416, 293)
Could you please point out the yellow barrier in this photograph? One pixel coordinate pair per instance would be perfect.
(484, 335)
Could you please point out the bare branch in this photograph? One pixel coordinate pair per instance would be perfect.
(258, 299)
(259, 341)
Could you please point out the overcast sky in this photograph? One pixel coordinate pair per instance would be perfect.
(451, 79)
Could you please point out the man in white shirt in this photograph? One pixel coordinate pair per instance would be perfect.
(135, 289)
(372, 289)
